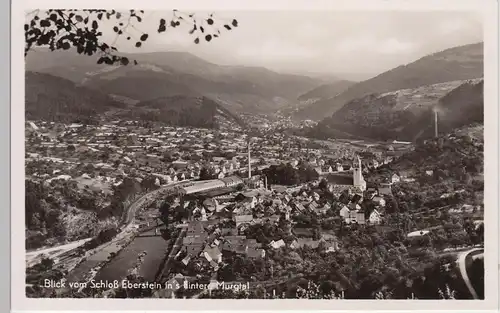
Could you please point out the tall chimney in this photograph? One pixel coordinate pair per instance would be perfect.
(435, 123)
(249, 165)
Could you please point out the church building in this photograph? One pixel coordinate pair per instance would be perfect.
(348, 179)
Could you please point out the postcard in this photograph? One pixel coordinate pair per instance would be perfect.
(196, 154)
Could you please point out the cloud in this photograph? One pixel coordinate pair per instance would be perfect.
(395, 46)
(350, 41)
(276, 50)
(367, 44)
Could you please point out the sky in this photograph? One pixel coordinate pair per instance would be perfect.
(350, 43)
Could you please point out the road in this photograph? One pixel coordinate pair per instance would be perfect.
(34, 257)
(464, 260)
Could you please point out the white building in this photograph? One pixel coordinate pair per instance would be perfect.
(375, 217)
(358, 179)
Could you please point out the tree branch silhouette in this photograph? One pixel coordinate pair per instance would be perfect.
(81, 29)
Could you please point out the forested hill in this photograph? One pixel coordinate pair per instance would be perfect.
(408, 114)
(54, 98)
(458, 63)
(179, 111)
(169, 73)
(456, 158)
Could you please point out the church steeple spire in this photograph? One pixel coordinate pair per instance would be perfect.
(357, 174)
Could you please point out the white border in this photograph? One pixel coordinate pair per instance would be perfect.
(488, 7)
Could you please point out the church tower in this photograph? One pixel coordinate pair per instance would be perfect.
(357, 174)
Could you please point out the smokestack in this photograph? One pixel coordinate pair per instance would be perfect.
(249, 165)
(435, 123)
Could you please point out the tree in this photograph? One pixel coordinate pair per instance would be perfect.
(149, 183)
(323, 184)
(167, 157)
(82, 30)
(206, 173)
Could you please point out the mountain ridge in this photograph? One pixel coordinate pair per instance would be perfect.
(183, 72)
(457, 63)
(58, 99)
(408, 114)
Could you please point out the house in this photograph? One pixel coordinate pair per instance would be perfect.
(256, 253)
(354, 206)
(250, 200)
(357, 217)
(328, 237)
(303, 232)
(186, 260)
(395, 178)
(375, 217)
(323, 209)
(429, 172)
(344, 212)
(379, 201)
(316, 197)
(168, 179)
(339, 167)
(385, 189)
(301, 242)
(212, 254)
(299, 206)
(331, 246)
(277, 244)
(243, 219)
(312, 206)
(405, 174)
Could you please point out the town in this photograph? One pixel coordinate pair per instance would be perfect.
(267, 209)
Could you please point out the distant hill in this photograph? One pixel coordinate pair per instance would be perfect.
(57, 99)
(175, 110)
(326, 91)
(459, 63)
(408, 114)
(165, 74)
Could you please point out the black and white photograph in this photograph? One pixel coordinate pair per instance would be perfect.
(256, 154)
